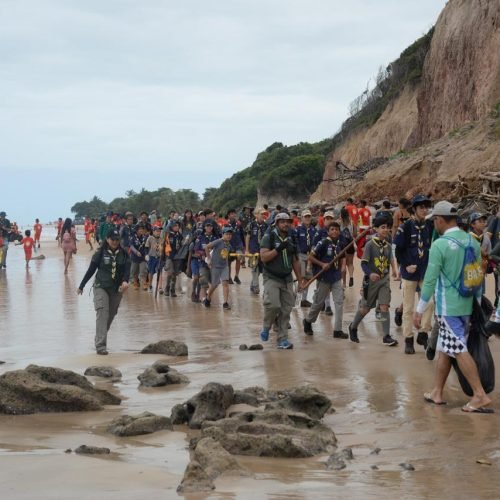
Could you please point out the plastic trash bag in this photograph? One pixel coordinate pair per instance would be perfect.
(477, 345)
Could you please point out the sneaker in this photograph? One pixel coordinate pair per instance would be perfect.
(305, 303)
(409, 349)
(339, 334)
(206, 302)
(166, 292)
(255, 291)
(284, 344)
(226, 306)
(173, 294)
(264, 335)
(230, 281)
(307, 327)
(398, 317)
(378, 316)
(102, 351)
(422, 339)
(430, 353)
(351, 282)
(353, 334)
(328, 311)
(237, 280)
(389, 341)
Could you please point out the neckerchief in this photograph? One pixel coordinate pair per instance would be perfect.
(113, 255)
(420, 242)
(381, 262)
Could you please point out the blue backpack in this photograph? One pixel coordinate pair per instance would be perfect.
(471, 277)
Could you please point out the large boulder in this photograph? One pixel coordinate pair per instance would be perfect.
(145, 423)
(45, 389)
(210, 403)
(216, 460)
(306, 400)
(103, 371)
(272, 433)
(195, 479)
(168, 347)
(161, 374)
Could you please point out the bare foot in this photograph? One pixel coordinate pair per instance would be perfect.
(435, 397)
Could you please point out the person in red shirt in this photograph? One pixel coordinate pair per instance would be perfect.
(28, 243)
(353, 211)
(295, 218)
(38, 232)
(88, 229)
(364, 213)
(59, 228)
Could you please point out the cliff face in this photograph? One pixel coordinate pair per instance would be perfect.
(460, 83)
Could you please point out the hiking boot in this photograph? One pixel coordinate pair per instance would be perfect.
(351, 282)
(230, 281)
(167, 292)
(264, 335)
(206, 302)
(237, 280)
(409, 349)
(172, 293)
(307, 327)
(328, 311)
(430, 353)
(226, 306)
(422, 339)
(102, 351)
(339, 334)
(389, 341)
(305, 303)
(254, 290)
(353, 334)
(284, 344)
(398, 316)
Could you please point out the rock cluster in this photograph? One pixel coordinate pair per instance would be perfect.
(39, 389)
(161, 374)
(103, 371)
(145, 423)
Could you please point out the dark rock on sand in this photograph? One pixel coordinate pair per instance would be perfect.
(179, 415)
(407, 466)
(195, 479)
(92, 450)
(168, 347)
(243, 347)
(45, 389)
(103, 371)
(306, 400)
(336, 461)
(271, 433)
(145, 423)
(375, 451)
(256, 347)
(216, 460)
(161, 374)
(210, 403)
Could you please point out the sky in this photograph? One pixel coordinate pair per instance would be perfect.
(100, 97)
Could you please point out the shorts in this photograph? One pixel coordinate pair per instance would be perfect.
(195, 267)
(453, 333)
(153, 265)
(378, 292)
(219, 274)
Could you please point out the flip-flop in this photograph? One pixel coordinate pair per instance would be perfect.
(428, 399)
(468, 408)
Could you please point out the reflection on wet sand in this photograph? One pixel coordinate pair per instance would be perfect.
(376, 392)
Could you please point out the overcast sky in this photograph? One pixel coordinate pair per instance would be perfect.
(102, 96)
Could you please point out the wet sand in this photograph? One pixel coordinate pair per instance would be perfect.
(376, 391)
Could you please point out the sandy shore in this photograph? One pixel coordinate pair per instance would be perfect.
(376, 391)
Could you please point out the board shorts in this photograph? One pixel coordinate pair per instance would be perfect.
(453, 333)
(378, 292)
(219, 274)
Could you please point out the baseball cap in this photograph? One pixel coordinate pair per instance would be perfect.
(444, 208)
(420, 199)
(227, 229)
(380, 220)
(329, 214)
(113, 234)
(474, 216)
(282, 216)
(305, 213)
(156, 227)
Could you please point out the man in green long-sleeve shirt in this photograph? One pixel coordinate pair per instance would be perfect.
(446, 262)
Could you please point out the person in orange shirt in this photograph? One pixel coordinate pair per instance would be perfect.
(353, 211)
(295, 218)
(38, 232)
(87, 228)
(28, 243)
(364, 214)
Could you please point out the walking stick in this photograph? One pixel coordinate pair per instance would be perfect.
(339, 256)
